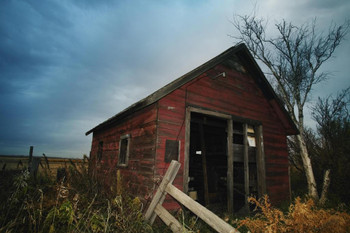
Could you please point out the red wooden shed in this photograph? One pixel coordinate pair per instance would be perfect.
(222, 121)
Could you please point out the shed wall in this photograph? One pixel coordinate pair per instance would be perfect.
(236, 94)
(138, 176)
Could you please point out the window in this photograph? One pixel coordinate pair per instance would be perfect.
(124, 144)
(99, 150)
(171, 150)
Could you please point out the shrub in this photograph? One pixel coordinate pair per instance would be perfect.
(301, 217)
(59, 219)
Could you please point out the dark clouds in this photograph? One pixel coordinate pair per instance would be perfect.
(33, 50)
(66, 66)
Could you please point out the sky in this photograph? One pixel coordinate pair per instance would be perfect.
(66, 66)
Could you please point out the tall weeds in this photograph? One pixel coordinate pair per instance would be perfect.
(77, 203)
(74, 204)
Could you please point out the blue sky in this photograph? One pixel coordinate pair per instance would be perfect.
(66, 66)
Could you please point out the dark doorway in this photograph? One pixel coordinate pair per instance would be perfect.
(208, 161)
(244, 166)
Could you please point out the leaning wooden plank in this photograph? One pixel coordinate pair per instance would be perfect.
(160, 194)
(168, 219)
(206, 215)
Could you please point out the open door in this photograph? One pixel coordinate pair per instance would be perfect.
(224, 160)
(208, 161)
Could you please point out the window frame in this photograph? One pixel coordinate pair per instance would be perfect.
(126, 159)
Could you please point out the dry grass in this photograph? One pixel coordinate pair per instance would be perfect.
(74, 204)
(77, 203)
(301, 217)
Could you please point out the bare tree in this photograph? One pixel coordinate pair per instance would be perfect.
(293, 58)
(332, 118)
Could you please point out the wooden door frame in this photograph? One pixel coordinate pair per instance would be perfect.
(226, 117)
(260, 155)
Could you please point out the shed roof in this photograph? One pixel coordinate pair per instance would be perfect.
(242, 52)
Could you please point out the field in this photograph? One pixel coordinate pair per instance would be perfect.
(42, 164)
(76, 202)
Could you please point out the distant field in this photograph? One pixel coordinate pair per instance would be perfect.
(50, 164)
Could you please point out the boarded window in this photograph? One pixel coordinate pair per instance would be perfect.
(100, 150)
(171, 150)
(124, 144)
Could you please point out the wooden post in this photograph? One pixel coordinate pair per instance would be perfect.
(204, 165)
(30, 160)
(159, 197)
(119, 183)
(290, 185)
(187, 149)
(230, 198)
(246, 164)
(260, 160)
(30, 154)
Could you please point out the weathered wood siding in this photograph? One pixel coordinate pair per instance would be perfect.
(171, 125)
(236, 94)
(137, 177)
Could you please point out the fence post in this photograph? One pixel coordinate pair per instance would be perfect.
(159, 197)
(30, 155)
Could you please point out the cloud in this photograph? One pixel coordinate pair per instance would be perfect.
(67, 66)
